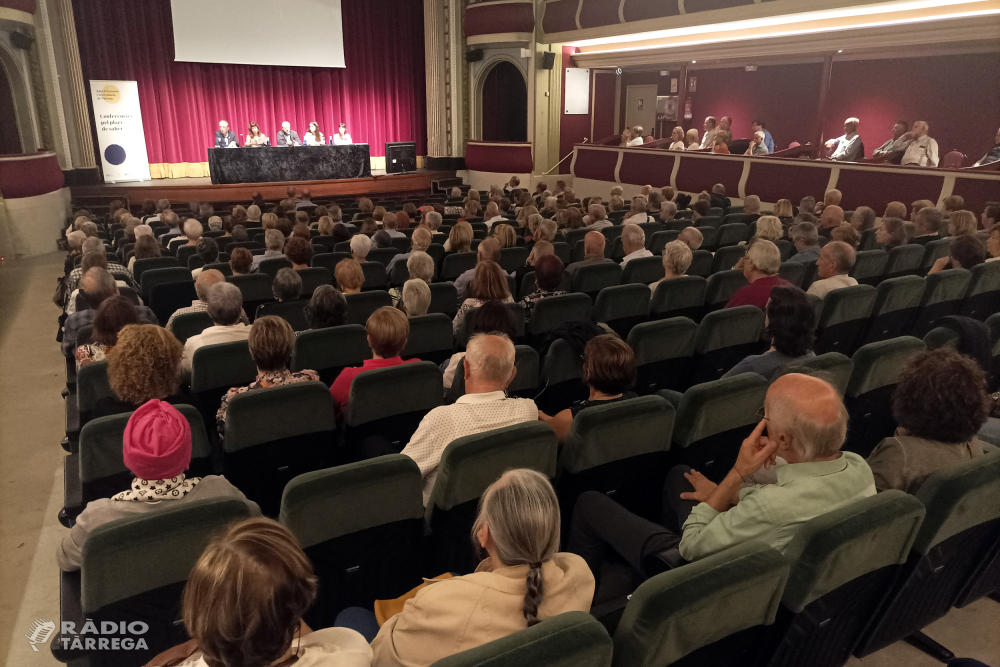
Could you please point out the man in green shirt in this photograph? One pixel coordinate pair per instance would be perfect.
(795, 448)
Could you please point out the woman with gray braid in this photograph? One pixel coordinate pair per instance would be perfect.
(523, 581)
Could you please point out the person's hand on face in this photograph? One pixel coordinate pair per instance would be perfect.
(941, 264)
(756, 451)
(703, 487)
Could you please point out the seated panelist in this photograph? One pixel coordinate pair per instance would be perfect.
(342, 138)
(256, 138)
(313, 137)
(287, 136)
(224, 138)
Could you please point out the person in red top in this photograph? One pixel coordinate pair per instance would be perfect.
(387, 330)
(760, 266)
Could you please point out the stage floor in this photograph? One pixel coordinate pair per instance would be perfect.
(202, 189)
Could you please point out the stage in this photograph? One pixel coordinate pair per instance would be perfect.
(202, 189)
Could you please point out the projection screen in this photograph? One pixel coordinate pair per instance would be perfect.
(296, 33)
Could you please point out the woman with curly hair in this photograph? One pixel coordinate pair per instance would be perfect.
(939, 405)
(790, 321)
(144, 364)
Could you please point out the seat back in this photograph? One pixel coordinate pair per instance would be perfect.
(942, 297)
(562, 369)
(663, 351)
(793, 272)
(869, 393)
(953, 159)
(465, 330)
(290, 311)
(190, 324)
(726, 258)
(731, 234)
(701, 263)
(222, 366)
(721, 287)
(982, 299)
(142, 265)
(896, 306)
(375, 275)
(553, 311)
(274, 434)
(725, 337)
(162, 276)
(329, 260)
(571, 639)
(91, 386)
(361, 306)
(455, 264)
(843, 564)
(622, 307)
(563, 251)
(643, 270)
(869, 266)
(658, 241)
(713, 419)
(444, 299)
(904, 260)
(933, 251)
(833, 367)
(313, 278)
(390, 402)
(844, 319)
(361, 524)
(329, 351)
(430, 338)
(513, 258)
(382, 255)
(591, 279)
(270, 267)
(679, 297)
(711, 612)
(255, 288)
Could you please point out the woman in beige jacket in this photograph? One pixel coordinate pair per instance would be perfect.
(523, 581)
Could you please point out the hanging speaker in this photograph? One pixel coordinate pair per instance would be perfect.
(548, 60)
(473, 55)
(22, 40)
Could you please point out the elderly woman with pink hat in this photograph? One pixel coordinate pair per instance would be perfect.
(157, 449)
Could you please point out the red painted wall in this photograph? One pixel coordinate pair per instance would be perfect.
(573, 128)
(603, 104)
(959, 96)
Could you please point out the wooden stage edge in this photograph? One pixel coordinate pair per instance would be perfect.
(202, 189)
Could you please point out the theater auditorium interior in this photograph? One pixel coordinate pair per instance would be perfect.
(507, 333)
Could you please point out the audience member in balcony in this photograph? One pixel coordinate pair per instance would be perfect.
(922, 150)
(831, 218)
(524, 580)
(677, 258)
(609, 373)
(548, 278)
(757, 146)
(634, 244)
(349, 275)
(112, 315)
(637, 136)
(806, 423)
(708, 140)
(929, 440)
(287, 285)
(489, 283)
(836, 260)
(759, 126)
(805, 238)
(274, 242)
(677, 139)
(225, 307)
(891, 234)
(961, 223)
(863, 218)
(993, 155)
(769, 227)
(271, 342)
(927, 225)
(208, 253)
(847, 147)
(893, 148)
(691, 237)
(326, 308)
(156, 449)
(790, 325)
(692, 140)
(721, 145)
(760, 266)
(965, 252)
(846, 234)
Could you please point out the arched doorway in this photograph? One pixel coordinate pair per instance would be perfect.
(10, 139)
(505, 104)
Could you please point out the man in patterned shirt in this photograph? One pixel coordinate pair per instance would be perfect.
(205, 280)
(489, 369)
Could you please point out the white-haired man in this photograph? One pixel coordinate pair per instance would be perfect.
(922, 151)
(634, 243)
(274, 242)
(760, 267)
(836, 260)
(224, 138)
(848, 145)
(287, 136)
(489, 369)
(225, 307)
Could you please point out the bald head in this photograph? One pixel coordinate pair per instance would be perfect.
(806, 416)
(691, 237)
(205, 280)
(489, 249)
(832, 216)
(492, 210)
(840, 257)
(98, 285)
(593, 245)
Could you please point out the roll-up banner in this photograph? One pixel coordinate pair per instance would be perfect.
(119, 131)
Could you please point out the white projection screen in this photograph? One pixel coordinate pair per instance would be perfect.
(295, 33)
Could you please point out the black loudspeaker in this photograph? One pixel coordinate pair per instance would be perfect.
(548, 60)
(472, 55)
(400, 157)
(22, 40)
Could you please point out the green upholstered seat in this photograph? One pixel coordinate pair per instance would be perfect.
(328, 351)
(725, 258)
(430, 338)
(622, 307)
(270, 267)
(843, 564)
(869, 266)
(982, 298)
(943, 296)
(255, 287)
(313, 278)
(934, 251)
(833, 367)
(793, 272)
(724, 338)
(222, 366)
(953, 556)
(721, 287)
(361, 524)
(904, 260)
(731, 234)
(142, 265)
(561, 374)
(468, 466)
(663, 350)
(591, 279)
(455, 264)
(166, 298)
(190, 324)
(658, 240)
(714, 611)
(553, 311)
(292, 312)
(163, 276)
(382, 255)
(563, 252)
(869, 393)
(679, 297)
(713, 419)
(375, 275)
(513, 258)
(524, 384)
(361, 306)
(329, 260)
(465, 330)
(643, 270)
(897, 304)
(444, 299)
(390, 402)
(942, 337)
(844, 319)
(92, 385)
(572, 639)
(701, 263)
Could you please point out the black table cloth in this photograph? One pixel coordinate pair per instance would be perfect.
(288, 163)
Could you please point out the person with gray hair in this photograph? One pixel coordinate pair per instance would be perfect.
(389, 224)
(668, 210)
(863, 218)
(415, 297)
(274, 244)
(836, 260)
(760, 267)
(253, 213)
(757, 146)
(677, 257)
(361, 245)
(637, 212)
(431, 220)
(96, 286)
(805, 238)
(596, 217)
(847, 147)
(780, 481)
(691, 237)
(927, 224)
(634, 243)
(489, 369)
(173, 223)
(287, 285)
(95, 245)
(225, 306)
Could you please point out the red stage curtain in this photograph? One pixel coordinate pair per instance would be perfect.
(380, 93)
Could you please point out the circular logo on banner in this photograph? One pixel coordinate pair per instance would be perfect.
(110, 94)
(114, 154)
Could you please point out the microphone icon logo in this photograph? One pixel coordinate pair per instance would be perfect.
(40, 632)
